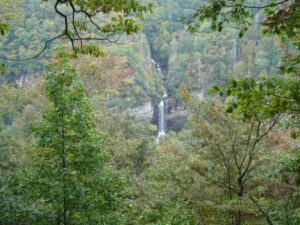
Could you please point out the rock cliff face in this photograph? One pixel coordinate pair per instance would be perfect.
(174, 118)
(143, 111)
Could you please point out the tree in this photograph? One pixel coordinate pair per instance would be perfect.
(71, 180)
(265, 97)
(237, 160)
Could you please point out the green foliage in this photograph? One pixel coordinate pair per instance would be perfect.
(167, 187)
(226, 148)
(287, 28)
(90, 50)
(94, 23)
(123, 78)
(11, 196)
(2, 68)
(241, 13)
(266, 98)
(206, 58)
(100, 18)
(26, 36)
(221, 168)
(70, 174)
(3, 28)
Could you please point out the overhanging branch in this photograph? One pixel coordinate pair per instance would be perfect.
(75, 36)
(258, 7)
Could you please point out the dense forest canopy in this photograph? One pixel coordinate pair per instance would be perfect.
(149, 112)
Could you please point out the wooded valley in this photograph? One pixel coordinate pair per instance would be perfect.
(149, 112)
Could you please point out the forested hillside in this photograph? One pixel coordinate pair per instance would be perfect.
(149, 112)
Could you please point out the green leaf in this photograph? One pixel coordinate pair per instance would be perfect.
(2, 68)
(3, 28)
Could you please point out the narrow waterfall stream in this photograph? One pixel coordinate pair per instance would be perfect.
(161, 131)
(161, 119)
(161, 126)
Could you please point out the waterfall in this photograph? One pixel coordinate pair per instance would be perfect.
(235, 51)
(25, 81)
(161, 125)
(161, 120)
(257, 20)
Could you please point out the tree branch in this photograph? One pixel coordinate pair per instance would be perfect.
(38, 54)
(267, 217)
(258, 7)
(73, 39)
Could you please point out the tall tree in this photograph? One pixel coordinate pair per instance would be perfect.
(263, 98)
(72, 182)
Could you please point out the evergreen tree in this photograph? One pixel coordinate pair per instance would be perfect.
(72, 183)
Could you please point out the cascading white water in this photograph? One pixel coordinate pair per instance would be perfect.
(161, 126)
(161, 120)
(234, 51)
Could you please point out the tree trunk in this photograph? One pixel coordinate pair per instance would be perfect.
(238, 214)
